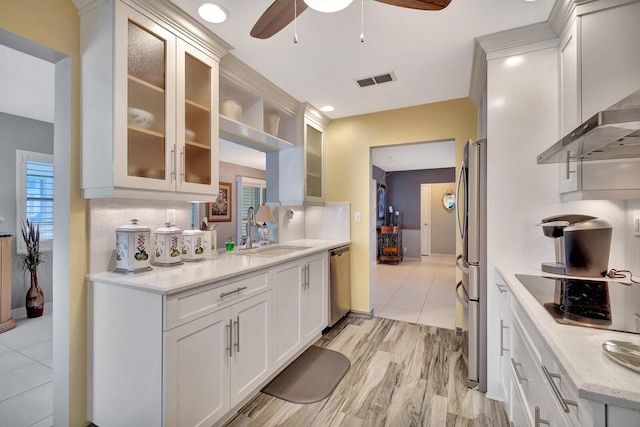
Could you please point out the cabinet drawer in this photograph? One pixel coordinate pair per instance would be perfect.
(189, 305)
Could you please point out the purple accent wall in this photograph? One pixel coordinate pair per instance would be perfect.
(403, 191)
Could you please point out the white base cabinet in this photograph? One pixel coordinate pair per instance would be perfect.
(301, 290)
(538, 390)
(188, 359)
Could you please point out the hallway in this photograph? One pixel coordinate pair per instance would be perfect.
(421, 292)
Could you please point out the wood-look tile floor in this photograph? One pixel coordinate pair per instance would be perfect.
(402, 374)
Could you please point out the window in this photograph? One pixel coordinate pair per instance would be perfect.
(34, 195)
(251, 193)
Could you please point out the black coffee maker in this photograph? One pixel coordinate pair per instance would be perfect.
(582, 245)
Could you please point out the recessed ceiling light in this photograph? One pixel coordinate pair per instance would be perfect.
(212, 13)
(328, 6)
(327, 108)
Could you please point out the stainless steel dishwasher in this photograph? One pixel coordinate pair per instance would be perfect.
(339, 284)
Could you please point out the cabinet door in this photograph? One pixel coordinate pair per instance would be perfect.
(287, 289)
(197, 371)
(250, 362)
(314, 163)
(504, 343)
(314, 298)
(197, 125)
(144, 102)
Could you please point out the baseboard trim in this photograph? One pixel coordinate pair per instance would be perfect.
(362, 314)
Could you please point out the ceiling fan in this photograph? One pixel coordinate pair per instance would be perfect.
(280, 13)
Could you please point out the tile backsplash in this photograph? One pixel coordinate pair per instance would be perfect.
(330, 221)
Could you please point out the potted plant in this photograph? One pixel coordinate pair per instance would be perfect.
(29, 263)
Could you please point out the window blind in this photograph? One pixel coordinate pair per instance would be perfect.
(39, 197)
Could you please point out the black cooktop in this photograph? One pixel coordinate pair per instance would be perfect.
(585, 302)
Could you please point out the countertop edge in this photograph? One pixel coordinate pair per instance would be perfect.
(549, 330)
(143, 281)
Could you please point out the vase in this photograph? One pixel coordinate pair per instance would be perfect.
(35, 298)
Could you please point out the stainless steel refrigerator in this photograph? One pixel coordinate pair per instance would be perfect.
(471, 292)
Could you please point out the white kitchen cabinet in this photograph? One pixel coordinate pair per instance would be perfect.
(301, 291)
(287, 292)
(150, 104)
(198, 380)
(301, 169)
(315, 293)
(610, 55)
(505, 340)
(214, 362)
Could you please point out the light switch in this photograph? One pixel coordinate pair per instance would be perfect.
(356, 217)
(636, 224)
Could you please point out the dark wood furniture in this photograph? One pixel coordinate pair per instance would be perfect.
(390, 243)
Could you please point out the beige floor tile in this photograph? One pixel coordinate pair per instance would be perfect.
(402, 314)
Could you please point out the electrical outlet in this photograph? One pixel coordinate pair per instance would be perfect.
(171, 216)
(636, 224)
(357, 217)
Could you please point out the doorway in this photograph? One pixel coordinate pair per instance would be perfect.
(59, 262)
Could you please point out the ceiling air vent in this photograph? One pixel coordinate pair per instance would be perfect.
(370, 81)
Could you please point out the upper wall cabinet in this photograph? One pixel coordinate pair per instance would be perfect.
(150, 103)
(301, 169)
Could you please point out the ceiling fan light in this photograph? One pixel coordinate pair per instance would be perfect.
(212, 13)
(328, 6)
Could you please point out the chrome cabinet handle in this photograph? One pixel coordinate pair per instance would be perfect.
(182, 163)
(173, 163)
(460, 176)
(556, 391)
(230, 338)
(237, 344)
(568, 164)
(226, 294)
(502, 288)
(502, 328)
(540, 420)
(519, 377)
(308, 284)
(460, 265)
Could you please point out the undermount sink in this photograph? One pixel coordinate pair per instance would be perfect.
(273, 250)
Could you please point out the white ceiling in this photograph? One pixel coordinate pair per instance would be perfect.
(426, 155)
(429, 52)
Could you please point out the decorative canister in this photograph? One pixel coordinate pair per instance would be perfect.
(132, 248)
(192, 245)
(168, 249)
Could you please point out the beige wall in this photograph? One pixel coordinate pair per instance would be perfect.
(348, 170)
(55, 24)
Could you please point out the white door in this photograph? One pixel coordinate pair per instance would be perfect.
(285, 316)
(425, 219)
(314, 298)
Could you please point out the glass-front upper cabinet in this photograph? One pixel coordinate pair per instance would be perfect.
(314, 162)
(198, 120)
(149, 103)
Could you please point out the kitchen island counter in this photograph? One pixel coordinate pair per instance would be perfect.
(579, 350)
(170, 280)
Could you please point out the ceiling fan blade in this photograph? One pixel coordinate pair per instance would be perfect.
(276, 17)
(418, 4)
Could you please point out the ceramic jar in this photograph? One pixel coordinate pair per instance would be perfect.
(132, 248)
(192, 245)
(168, 249)
(210, 237)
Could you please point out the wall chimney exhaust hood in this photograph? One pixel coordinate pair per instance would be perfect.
(610, 134)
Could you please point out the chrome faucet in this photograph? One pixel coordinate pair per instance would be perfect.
(251, 222)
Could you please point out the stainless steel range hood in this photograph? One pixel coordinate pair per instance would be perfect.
(610, 134)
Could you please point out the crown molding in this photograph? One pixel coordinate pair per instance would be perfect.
(512, 39)
(166, 12)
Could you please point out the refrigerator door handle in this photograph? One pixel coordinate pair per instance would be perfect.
(462, 299)
(461, 176)
(462, 265)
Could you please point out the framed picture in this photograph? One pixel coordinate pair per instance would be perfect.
(382, 192)
(220, 210)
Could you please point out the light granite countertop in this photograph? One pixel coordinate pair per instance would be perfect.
(169, 280)
(579, 350)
